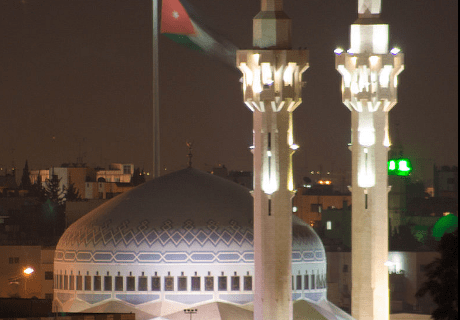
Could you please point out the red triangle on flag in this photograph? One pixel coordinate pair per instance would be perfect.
(174, 18)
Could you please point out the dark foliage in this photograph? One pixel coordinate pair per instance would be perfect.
(403, 240)
(72, 194)
(25, 180)
(442, 283)
(138, 177)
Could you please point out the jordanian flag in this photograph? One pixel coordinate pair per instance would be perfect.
(177, 25)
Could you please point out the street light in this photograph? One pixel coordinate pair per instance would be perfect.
(190, 311)
(27, 273)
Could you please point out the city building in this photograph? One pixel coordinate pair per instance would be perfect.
(446, 182)
(309, 202)
(27, 271)
(90, 183)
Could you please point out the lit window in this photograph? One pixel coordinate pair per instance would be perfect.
(294, 209)
(142, 284)
(87, 283)
(222, 283)
(130, 283)
(97, 283)
(236, 283)
(182, 283)
(247, 283)
(79, 282)
(299, 282)
(196, 283)
(209, 283)
(329, 225)
(156, 286)
(108, 283)
(169, 284)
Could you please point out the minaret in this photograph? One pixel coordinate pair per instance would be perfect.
(272, 83)
(369, 81)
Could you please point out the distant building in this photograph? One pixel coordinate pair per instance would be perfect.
(244, 178)
(90, 183)
(446, 182)
(309, 202)
(14, 282)
(407, 273)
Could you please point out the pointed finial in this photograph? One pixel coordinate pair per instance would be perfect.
(189, 156)
(369, 8)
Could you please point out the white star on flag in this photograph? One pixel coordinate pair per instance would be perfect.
(175, 15)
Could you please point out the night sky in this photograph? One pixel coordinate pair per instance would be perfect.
(76, 77)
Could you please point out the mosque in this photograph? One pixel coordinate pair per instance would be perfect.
(191, 242)
(181, 241)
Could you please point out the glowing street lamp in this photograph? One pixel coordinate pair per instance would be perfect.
(28, 271)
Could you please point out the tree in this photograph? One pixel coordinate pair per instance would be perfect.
(442, 283)
(25, 180)
(54, 192)
(37, 189)
(72, 194)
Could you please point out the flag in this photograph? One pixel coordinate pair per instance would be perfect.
(177, 25)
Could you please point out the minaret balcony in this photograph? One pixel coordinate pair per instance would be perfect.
(272, 78)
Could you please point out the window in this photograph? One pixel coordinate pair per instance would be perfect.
(49, 275)
(72, 282)
(312, 277)
(329, 225)
(66, 282)
(97, 283)
(196, 283)
(235, 283)
(61, 281)
(182, 283)
(345, 268)
(247, 283)
(306, 285)
(108, 283)
(142, 284)
(315, 207)
(118, 283)
(87, 283)
(156, 286)
(13, 260)
(130, 283)
(299, 282)
(126, 169)
(169, 283)
(79, 282)
(209, 283)
(222, 283)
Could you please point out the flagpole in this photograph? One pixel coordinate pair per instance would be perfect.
(156, 91)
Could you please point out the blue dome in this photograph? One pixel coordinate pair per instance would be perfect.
(182, 225)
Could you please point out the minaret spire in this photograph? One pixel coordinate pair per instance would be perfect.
(369, 8)
(369, 90)
(272, 90)
(271, 26)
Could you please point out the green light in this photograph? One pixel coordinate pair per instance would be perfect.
(399, 167)
(446, 224)
(391, 165)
